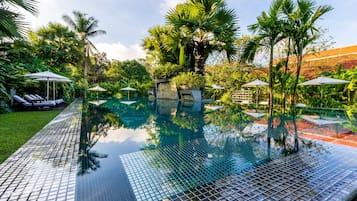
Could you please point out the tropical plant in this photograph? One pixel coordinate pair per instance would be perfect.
(189, 80)
(304, 31)
(269, 32)
(85, 28)
(160, 45)
(166, 71)
(203, 26)
(11, 22)
(57, 46)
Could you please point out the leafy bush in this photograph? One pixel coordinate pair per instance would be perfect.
(166, 71)
(189, 80)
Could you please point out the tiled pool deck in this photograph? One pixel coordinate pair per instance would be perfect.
(45, 167)
(321, 173)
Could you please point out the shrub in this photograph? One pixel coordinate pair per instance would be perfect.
(166, 71)
(189, 80)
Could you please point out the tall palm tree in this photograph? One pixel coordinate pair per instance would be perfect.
(203, 26)
(85, 28)
(304, 31)
(269, 33)
(11, 23)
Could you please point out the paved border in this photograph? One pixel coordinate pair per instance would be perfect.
(45, 167)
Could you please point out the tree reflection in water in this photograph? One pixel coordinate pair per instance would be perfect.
(96, 122)
(192, 145)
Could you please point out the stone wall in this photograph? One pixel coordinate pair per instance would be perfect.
(166, 91)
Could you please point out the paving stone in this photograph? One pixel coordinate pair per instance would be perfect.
(38, 169)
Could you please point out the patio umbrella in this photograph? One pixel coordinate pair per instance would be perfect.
(323, 81)
(46, 75)
(256, 83)
(128, 88)
(54, 80)
(97, 89)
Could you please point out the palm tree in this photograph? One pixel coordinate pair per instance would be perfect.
(11, 24)
(269, 33)
(203, 26)
(304, 31)
(160, 45)
(85, 28)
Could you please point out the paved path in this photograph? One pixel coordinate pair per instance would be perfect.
(45, 167)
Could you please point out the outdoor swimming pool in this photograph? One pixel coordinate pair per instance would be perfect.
(179, 151)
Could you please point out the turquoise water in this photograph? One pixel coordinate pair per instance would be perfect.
(154, 150)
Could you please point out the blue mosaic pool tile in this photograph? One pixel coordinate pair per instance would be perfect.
(186, 173)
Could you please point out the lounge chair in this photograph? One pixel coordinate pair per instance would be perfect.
(56, 102)
(27, 104)
(32, 99)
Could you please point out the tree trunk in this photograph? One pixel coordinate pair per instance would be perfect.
(271, 81)
(299, 57)
(85, 83)
(200, 59)
(283, 106)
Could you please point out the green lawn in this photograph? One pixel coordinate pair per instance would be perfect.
(17, 128)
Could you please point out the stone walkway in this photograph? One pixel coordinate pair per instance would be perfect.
(45, 167)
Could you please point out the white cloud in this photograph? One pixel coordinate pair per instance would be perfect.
(123, 134)
(121, 52)
(168, 4)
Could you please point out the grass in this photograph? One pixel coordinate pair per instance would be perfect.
(17, 128)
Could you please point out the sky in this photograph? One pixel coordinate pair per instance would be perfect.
(127, 21)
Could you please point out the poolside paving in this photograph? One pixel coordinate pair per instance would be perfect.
(45, 167)
(173, 172)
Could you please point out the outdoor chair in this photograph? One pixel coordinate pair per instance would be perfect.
(56, 102)
(27, 104)
(39, 97)
(32, 99)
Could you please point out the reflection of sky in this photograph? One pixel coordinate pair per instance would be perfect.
(125, 135)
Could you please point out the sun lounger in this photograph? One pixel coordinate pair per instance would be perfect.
(27, 104)
(56, 102)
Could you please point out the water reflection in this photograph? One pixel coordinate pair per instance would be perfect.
(188, 125)
(95, 124)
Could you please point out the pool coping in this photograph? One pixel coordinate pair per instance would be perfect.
(45, 167)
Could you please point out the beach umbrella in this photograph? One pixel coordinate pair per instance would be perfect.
(256, 83)
(97, 102)
(215, 86)
(323, 81)
(97, 89)
(54, 80)
(46, 75)
(128, 88)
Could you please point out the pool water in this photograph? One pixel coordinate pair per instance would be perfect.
(159, 150)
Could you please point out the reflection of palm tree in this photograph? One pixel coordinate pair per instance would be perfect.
(97, 121)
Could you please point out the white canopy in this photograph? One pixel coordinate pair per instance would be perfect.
(215, 86)
(254, 114)
(255, 83)
(97, 88)
(97, 102)
(323, 81)
(54, 85)
(47, 76)
(128, 88)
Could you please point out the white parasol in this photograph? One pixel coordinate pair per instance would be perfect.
(47, 75)
(54, 80)
(97, 89)
(323, 81)
(128, 88)
(256, 83)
